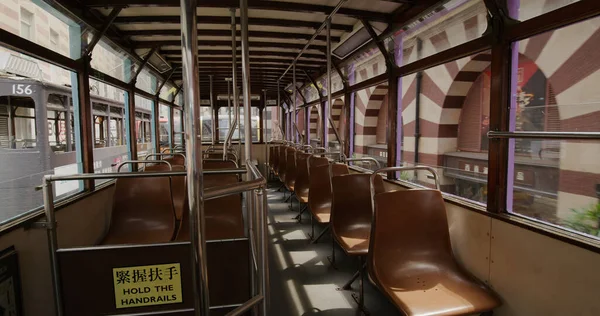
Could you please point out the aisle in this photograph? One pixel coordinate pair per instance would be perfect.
(302, 280)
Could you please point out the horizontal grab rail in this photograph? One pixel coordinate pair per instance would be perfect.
(143, 162)
(544, 135)
(367, 159)
(389, 169)
(246, 306)
(101, 176)
(164, 155)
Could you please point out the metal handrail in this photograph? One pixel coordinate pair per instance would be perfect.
(367, 159)
(388, 169)
(143, 162)
(544, 135)
(420, 167)
(163, 155)
(319, 148)
(309, 147)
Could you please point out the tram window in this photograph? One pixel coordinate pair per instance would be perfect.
(177, 127)
(112, 61)
(271, 129)
(557, 181)
(206, 121)
(17, 123)
(165, 126)
(144, 126)
(525, 10)
(224, 121)
(254, 124)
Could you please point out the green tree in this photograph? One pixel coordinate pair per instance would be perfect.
(585, 220)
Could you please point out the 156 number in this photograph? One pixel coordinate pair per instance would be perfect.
(22, 89)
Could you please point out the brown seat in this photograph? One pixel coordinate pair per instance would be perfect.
(176, 160)
(411, 258)
(302, 185)
(319, 193)
(290, 169)
(218, 155)
(351, 211)
(281, 167)
(142, 212)
(223, 216)
(273, 153)
(178, 187)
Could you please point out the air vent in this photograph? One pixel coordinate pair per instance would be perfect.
(156, 61)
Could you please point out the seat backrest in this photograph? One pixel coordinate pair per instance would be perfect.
(414, 221)
(319, 192)
(142, 210)
(176, 160)
(275, 160)
(282, 162)
(338, 169)
(179, 191)
(302, 185)
(271, 156)
(290, 167)
(316, 161)
(351, 200)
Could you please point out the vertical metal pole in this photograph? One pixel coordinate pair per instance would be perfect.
(212, 111)
(52, 244)
(246, 80)
(228, 105)
(328, 108)
(263, 261)
(279, 112)
(189, 53)
(294, 134)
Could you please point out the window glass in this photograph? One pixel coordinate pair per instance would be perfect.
(111, 60)
(206, 122)
(165, 126)
(554, 89)
(525, 10)
(365, 65)
(167, 91)
(254, 118)
(448, 25)
(226, 115)
(177, 127)
(38, 136)
(146, 81)
(450, 103)
(144, 126)
(41, 23)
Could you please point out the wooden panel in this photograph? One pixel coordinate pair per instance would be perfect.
(538, 275)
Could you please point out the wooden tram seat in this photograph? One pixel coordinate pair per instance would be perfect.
(351, 211)
(302, 184)
(319, 193)
(142, 212)
(290, 169)
(411, 259)
(281, 167)
(223, 216)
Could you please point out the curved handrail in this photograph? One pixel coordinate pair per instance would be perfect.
(388, 169)
(131, 162)
(367, 159)
(309, 147)
(221, 160)
(163, 155)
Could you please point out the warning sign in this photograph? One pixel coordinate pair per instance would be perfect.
(147, 285)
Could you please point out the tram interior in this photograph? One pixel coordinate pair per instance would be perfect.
(294, 157)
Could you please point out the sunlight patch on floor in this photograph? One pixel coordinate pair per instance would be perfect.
(326, 296)
(302, 257)
(293, 291)
(297, 234)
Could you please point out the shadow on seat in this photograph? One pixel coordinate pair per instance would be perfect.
(142, 212)
(411, 258)
(302, 185)
(351, 211)
(290, 169)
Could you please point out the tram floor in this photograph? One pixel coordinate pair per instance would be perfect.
(302, 280)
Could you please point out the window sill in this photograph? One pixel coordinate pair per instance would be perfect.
(546, 229)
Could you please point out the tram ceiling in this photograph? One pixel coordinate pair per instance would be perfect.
(277, 32)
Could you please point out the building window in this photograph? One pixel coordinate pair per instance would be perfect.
(54, 40)
(27, 24)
